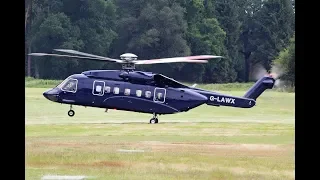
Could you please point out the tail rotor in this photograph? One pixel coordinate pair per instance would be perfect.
(275, 72)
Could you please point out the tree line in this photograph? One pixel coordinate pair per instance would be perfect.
(247, 32)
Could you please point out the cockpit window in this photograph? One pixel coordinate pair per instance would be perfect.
(70, 85)
(62, 83)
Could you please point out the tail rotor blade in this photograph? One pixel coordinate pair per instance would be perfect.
(276, 71)
(258, 72)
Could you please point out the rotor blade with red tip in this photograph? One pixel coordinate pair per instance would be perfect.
(80, 57)
(191, 59)
(169, 61)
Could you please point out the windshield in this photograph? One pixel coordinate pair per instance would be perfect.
(69, 85)
(63, 82)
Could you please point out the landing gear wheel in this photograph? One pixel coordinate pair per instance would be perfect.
(153, 121)
(71, 113)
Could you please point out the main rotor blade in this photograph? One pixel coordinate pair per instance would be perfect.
(169, 61)
(60, 55)
(202, 57)
(70, 51)
(193, 59)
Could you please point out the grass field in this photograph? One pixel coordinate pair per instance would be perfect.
(204, 143)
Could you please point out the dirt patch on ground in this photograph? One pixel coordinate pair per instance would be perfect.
(212, 167)
(217, 148)
(243, 134)
(158, 146)
(68, 144)
(213, 145)
(64, 144)
(108, 164)
(89, 164)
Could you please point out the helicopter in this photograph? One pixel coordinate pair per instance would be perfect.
(138, 91)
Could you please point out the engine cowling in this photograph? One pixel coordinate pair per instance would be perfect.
(136, 76)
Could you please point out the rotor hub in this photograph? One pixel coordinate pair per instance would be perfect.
(128, 57)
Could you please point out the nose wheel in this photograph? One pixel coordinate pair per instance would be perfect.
(154, 120)
(71, 112)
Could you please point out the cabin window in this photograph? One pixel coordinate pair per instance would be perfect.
(127, 92)
(138, 93)
(148, 94)
(98, 89)
(107, 89)
(159, 96)
(116, 90)
(70, 85)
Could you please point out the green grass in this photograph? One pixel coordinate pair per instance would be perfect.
(41, 83)
(204, 143)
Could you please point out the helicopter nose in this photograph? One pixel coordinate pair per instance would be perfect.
(51, 95)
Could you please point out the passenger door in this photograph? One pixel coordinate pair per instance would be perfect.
(159, 95)
(98, 90)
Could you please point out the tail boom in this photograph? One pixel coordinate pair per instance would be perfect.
(225, 100)
(217, 99)
(249, 99)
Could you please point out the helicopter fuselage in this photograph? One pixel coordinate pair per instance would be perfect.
(115, 90)
(140, 91)
(143, 92)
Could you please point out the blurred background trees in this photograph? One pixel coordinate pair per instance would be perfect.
(246, 32)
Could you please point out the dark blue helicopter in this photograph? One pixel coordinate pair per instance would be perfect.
(139, 91)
